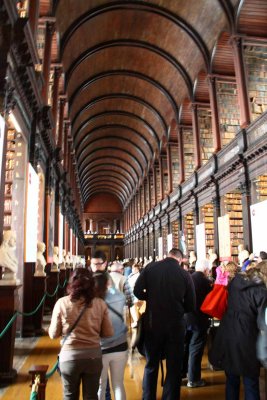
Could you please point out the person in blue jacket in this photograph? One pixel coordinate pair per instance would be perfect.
(114, 350)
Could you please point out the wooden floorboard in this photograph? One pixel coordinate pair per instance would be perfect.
(46, 350)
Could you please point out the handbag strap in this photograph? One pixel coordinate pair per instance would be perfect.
(115, 312)
(74, 325)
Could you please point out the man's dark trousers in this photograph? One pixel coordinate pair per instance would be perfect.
(167, 341)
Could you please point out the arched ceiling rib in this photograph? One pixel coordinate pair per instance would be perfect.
(129, 70)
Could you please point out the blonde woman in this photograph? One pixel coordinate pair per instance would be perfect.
(234, 346)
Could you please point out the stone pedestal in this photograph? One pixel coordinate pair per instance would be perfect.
(8, 305)
(62, 277)
(52, 281)
(39, 289)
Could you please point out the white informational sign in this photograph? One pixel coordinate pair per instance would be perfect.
(60, 237)
(258, 214)
(201, 242)
(224, 238)
(169, 242)
(2, 135)
(160, 246)
(71, 241)
(31, 215)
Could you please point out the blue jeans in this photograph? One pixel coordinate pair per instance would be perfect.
(232, 388)
(169, 342)
(196, 344)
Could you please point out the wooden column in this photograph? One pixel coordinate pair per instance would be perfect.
(169, 164)
(181, 154)
(214, 114)
(50, 28)
(33, 15)
(240, 73)
(197, 153)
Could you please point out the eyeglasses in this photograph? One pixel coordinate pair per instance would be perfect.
(98, 264)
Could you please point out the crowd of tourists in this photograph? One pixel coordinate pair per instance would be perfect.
(178, 301)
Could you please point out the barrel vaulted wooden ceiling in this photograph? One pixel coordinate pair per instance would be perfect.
(132, 70)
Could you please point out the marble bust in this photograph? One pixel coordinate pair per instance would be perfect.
(69, 263)
(212, 257)
(40, 261)
(55, 259)
(8, 259)
(62, 265)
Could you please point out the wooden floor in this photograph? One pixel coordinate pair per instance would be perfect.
(46, 350)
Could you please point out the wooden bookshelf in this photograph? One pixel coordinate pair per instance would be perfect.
(146, 246)
(151, 245)
(232, 205)
(229, 115)
(189, 232)
(206, 217)
(164, 239)
(158, 186)
(259, 189)
(9, 177)
(40, 42)
(152, 193)
(175, 166)
(50, 88)
(188, 152)
(255, 59)
(175, 234)
(22, 8)
(205, 134)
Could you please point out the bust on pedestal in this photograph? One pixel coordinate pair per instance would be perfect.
(62, 265)
(212, 257)
(55, 260)
(41, 261)
(69, 263)
(192, 259)
(8, 259)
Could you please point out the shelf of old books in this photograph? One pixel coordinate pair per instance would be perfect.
(151, 245)
(206, 217)
(205, 134)
(255, 58)
(158, 185)
(229, 115)
(14, 180)
(152, 193)
(259, 189)
(189, 232)
(175, 165)
(164, 239)
(9, 176)
(175, 234)
(145, 245)
(188, 152)
(231, 204)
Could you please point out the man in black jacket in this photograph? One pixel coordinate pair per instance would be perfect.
(169, 294)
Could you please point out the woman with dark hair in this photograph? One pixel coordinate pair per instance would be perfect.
(80, 357)
(234, 346)
(114, 349)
